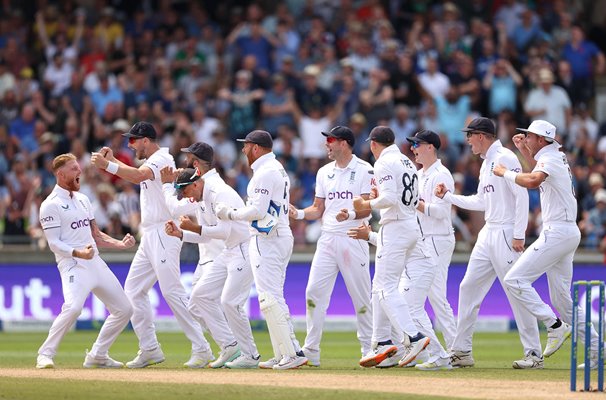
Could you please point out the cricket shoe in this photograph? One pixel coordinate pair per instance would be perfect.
(200, 359)
(243, 362)
(145, 358)
(440, 364)
(44, 362)
(415, 345)
(100, 362)
(291, 362)
(593, 361)
(269, 364)
(393, 360)
(229, 353)
(531, 361)
(378, 355)
(556, 338)
(313, 357)
(461, 359)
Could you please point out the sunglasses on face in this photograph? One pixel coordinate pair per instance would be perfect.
(416, 145)
(471, 133)
(331, 139)
(132, 140)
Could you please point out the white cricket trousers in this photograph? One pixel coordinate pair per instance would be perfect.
(334, 253)
(552, 254)
(269, 257)
(79, 277)
(417, 279)
(157, 259)
(492, 257)
(396, 241)
(442, 248)
(219, 298)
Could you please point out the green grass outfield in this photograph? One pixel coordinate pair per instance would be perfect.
(493, 352)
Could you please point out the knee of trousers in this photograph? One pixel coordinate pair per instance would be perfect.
(513, 282)
(124, 312)
(231, 306)
(71, 311)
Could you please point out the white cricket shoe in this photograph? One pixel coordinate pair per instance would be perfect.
(269, 364)
(416, 345)
(44, 362)
(288, 362)
(199, 360)
(145, 358)
(593, 361)
(461, 359)
(378, 355)
(530, 361)
(313, 357)
(103, 362)
(556, 338)
(229, 353)
(243, 362)
(440, 364)
(391, 361)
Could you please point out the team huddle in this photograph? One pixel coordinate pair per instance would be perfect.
(241, 243)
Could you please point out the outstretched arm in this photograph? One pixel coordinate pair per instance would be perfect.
(102, 239)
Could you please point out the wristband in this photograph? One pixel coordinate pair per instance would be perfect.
(351, 215)
(112, 167)
(300, 214)
(510, 176)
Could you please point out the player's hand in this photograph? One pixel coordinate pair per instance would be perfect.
(361, 232)
(168, 175)
(440, 190)
(292, 211)
(499, 170)
(360, 204)
(343, 215)
(86, 253)
(518, 245)
(223, 211)
(187, 224)
(107, 153)
(519, 141)
(98, 160)
(172, 229)
(128, 241)
(374, 193)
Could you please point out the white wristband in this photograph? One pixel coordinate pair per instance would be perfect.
(112, 168)
(351, 215)
(510, 176)
(300, 214)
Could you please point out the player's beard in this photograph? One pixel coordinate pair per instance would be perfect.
(73, 185)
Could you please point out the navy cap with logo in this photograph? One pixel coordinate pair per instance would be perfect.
(140, 130)
(343, 133)
(262, 138)
(187, 177)
(426, 136)
(382, 134)
(201, 150)
(481, 124)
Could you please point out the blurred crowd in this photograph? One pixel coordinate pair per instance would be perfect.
(74, 75)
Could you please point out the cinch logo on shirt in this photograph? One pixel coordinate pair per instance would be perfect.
(385, 178)
(261, 190)
(80, 223)
(344, 195)
(46, 219)
(488, 189)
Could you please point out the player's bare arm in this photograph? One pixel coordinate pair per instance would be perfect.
(529, 180)
(126, 172)
(168, 174)
(310, 213)
(343, 215)
(103, 240)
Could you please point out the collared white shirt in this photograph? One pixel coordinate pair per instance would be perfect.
(503, 202)
(398, 185)
(71, 216)
(558, 201)
(437, 216)
(338, 186)
(154, 210)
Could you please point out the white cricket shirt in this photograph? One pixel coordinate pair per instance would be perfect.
(437, 217)
(154, 210)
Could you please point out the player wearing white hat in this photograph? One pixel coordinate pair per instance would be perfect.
(435, 217)
(336, 185)
(157, 258)
(552, 253)
(399, 234)
(69, 225)
(499, 244)
(218, 298)
(271, 245)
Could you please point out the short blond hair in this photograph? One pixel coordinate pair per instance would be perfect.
(61, 160)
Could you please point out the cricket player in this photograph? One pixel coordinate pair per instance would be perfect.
(552, 253)
(157, 258)
(435, 217)
(271, 245)
(499, 244)
(218, 299)
(336, 185)
(69, 225)
(399, 234)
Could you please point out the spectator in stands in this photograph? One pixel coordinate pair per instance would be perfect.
(549, 102)
(242, 112)
(58, 75)
(276, 107)
(60, 44)
(21, 129)
(376, 101)
(403, 125)
(593, 224)
(433, 83)
(502, 82)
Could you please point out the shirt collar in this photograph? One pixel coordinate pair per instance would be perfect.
(494, 148)
(265, 158)
(351, 165)
(390, 149)
(432, 167)
(63, 192)
(551, 147)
